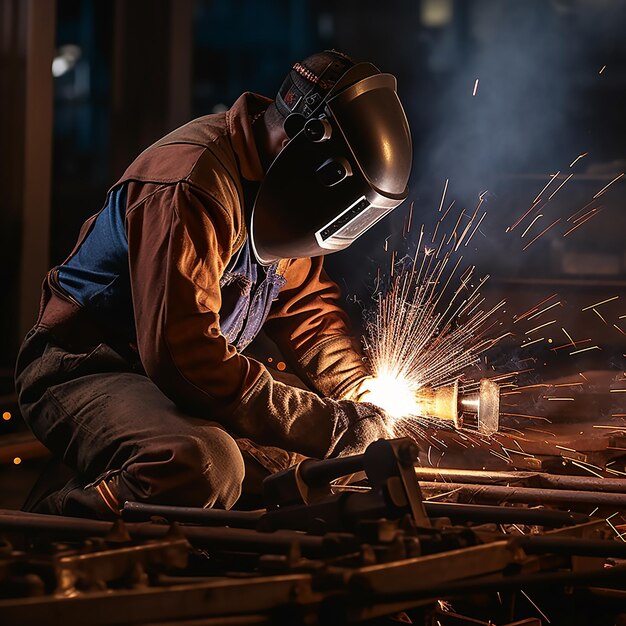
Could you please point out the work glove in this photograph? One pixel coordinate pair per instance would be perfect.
(275, 414)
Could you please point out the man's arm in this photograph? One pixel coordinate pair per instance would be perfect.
(179, 240)
(313, 331)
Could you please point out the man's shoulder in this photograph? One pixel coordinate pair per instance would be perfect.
(200, 153)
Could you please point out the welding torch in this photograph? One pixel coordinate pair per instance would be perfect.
(441, 403)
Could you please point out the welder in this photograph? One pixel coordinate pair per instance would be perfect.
(134, 375)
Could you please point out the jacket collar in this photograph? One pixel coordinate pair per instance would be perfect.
(239, 124)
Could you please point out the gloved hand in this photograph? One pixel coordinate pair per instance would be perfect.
(276, 414)
(367, 423)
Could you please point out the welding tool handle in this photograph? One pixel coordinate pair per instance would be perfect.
(320, 473)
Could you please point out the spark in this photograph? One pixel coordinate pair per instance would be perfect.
(603, 190)
(453, 234)
(585, 350)
(598, 314)
(538, 609)
(443, 195)
(573, 215)
(591, 306)
(533, 309)
(617, 390)
(580, 156)
(530, 343)
(542, 326)
(475, 88)
(559, 187)
(553, 398)
(602, 69)
(408, 228)
(475, 229)
(567, 345)
(583, 466)
(543, 232)
(582, 217)
(608, 521)
(553, 177)
(435, 307)
(589, 215)
(540, 215)
(521, 219)
(532, 417)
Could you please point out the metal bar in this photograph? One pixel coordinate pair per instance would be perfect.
(529, 495)
(425, 572)
(484, 513)
(537, 479)
(138, 511)
(480, 513)
(217, 540)
(222, 597)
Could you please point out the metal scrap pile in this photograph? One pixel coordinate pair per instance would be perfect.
(328, 552)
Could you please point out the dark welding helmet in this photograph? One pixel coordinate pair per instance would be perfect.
(346, 166)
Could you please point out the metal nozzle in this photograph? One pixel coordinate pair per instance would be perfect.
(445, 403)
(486, 403)
(441, 403)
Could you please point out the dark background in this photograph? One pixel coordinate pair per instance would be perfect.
(128, 71)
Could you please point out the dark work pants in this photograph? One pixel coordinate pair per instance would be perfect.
(122, 437)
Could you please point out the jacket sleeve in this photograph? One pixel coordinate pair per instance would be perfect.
(179, 240)
(313, 331)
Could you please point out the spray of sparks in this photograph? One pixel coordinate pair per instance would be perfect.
(428, 326)
(430, 323)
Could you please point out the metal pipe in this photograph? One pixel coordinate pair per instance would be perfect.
(484, 513)
(456, 512)
(529, 495)
(140, 512)
(217, 540)
(536, 479)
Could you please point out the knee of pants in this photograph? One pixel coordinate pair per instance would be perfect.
(189, 470)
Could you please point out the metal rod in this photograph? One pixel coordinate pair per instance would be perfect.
(536, 479)
(529, 495)
(139, 512)
(217, 540)
(485, 513)
(481, 513)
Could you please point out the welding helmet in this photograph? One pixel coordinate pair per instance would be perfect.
(345, 166)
